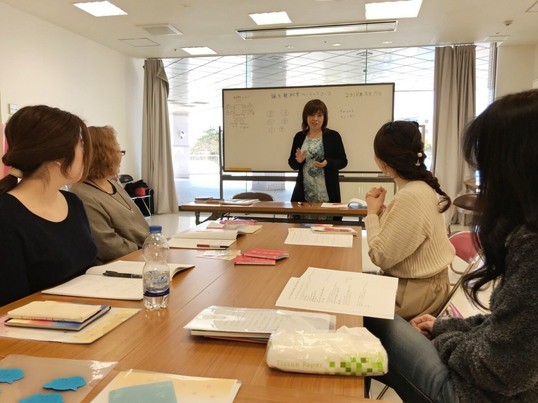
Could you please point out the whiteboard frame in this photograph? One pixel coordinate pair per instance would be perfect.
(311, 87)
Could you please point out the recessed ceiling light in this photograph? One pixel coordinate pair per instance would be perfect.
(100, 8)
(386, 42)
(392, 9)
(278, 17)
(337, 45)
(199, 50)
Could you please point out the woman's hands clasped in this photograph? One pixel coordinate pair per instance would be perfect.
(375, 199)
(424, 324)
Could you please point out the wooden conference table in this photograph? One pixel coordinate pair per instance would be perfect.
(156, 341)
(219, 210)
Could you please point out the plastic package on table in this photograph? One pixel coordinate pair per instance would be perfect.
(346, 351)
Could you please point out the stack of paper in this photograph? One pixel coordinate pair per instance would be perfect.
(241, 226)
(306, 236)
(203, 239)
(249, 324)
(341, 291)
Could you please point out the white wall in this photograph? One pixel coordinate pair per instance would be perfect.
(41, 63)
(517, 69)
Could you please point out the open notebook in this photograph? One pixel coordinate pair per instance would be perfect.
(95, 284)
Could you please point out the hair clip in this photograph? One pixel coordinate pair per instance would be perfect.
(17, 173)
(418, 159)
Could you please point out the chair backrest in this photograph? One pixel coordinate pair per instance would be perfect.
(465, 202)
(463, 243)
(254, 195)
(124, 178)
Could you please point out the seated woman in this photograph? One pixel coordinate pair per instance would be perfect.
(486, 357)
(408, 239)
(117, 224)
(45, 237)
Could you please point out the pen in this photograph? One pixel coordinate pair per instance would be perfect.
(205, 245)
(110, 273)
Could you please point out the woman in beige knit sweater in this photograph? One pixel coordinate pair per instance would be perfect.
(407, 239)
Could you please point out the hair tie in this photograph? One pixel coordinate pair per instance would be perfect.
(17, 173)
(418, 159)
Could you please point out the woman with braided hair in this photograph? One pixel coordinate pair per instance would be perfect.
(407, 239)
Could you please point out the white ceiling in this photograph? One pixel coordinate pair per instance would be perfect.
(213, 23)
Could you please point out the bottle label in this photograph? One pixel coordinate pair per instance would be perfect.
(155, 293)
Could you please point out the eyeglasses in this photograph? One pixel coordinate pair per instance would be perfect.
(122, 152)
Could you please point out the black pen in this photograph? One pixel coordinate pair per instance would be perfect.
(110, 273)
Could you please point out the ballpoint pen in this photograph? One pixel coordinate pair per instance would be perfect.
(205, 245)
(110, 273)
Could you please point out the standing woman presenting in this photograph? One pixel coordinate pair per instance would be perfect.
(318, 154)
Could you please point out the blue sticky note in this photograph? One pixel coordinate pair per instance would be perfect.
(10, 375)
(71, 383)
(43, 398)
(160, 392)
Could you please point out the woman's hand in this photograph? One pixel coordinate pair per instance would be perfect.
(300, 156)
(321, 164)
(424, 324)
(375, 199)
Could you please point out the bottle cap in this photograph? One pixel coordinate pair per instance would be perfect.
(155, 228)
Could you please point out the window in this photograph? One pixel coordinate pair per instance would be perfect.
(195, 100)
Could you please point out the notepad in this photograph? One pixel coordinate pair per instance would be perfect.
(55, 311)
(58, 324)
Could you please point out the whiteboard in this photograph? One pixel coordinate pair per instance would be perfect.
(259, 123)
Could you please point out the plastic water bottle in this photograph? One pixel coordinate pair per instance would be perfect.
(156, 273)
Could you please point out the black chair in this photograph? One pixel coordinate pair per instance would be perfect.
(254, 195)
(124, 178)
(466, 203)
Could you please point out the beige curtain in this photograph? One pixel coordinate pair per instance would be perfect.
(454, 108)
(157, 167)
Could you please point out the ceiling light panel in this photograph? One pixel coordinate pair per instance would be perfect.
(199, 51)
(278, 17)
(392, 9)
(100, 8)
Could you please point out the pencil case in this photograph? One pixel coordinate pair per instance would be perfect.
(346, 351)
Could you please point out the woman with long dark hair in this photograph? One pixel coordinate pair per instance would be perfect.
(45, 237)
(487, 357)
(407, 239)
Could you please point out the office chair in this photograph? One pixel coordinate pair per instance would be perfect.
(125, 178)
(463, 243)
(465, 204)
(254, 195)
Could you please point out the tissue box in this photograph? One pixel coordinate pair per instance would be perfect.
(347, 351)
